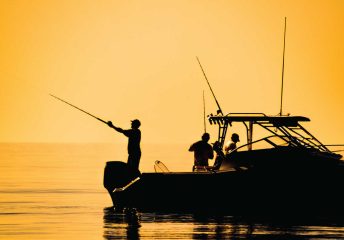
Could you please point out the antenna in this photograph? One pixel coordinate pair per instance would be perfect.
(285, 29)
(205, 126)
(205, 76)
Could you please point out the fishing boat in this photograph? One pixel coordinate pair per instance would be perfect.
(287, 171)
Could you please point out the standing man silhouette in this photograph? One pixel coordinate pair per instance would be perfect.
(203, 151)
(134, 139)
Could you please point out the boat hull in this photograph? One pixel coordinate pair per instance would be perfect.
(254, 191)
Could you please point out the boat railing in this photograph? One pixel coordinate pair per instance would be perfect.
(334, 147)
(296, 135)
(159, 167)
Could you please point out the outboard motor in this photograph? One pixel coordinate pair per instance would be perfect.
(118, 174)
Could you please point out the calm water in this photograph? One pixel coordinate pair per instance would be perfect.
(55, 191)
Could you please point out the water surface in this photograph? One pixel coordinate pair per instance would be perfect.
(55, 191)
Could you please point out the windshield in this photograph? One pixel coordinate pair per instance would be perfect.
(267, 142)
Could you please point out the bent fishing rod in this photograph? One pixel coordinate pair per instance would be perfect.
(99, 119)
(205, 76)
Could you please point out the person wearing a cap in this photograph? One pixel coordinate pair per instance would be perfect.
(203, 151)
(134, 138)
(231, 145)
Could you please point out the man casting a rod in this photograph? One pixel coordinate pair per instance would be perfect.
(133, 134)
(134, 138)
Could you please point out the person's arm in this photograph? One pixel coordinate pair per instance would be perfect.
(192, 148)
(226, 148)
(109, 123)
(232, 147)
(211, 152)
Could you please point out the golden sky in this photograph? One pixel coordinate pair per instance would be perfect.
(121, 60)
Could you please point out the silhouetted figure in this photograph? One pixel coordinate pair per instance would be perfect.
(202, 151)
(231, 145)
(134, 138)
(220, 156)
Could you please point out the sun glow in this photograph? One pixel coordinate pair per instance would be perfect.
(131, 59)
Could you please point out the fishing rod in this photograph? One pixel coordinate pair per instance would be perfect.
(205, 76)
(99, 119)
(205, 126)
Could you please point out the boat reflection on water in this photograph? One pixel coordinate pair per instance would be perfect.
(244, 227)
(220, 227)
(150, 225)
(120, 224)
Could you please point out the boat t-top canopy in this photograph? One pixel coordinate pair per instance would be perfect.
(286, 127)
(262, 119)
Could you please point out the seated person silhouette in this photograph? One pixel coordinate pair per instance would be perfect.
(229, 148)
(231, 145)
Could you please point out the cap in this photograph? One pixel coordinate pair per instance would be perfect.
(206, 136)
(235, 137)
(136, 122)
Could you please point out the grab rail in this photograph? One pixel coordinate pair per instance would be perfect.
(126, 186)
